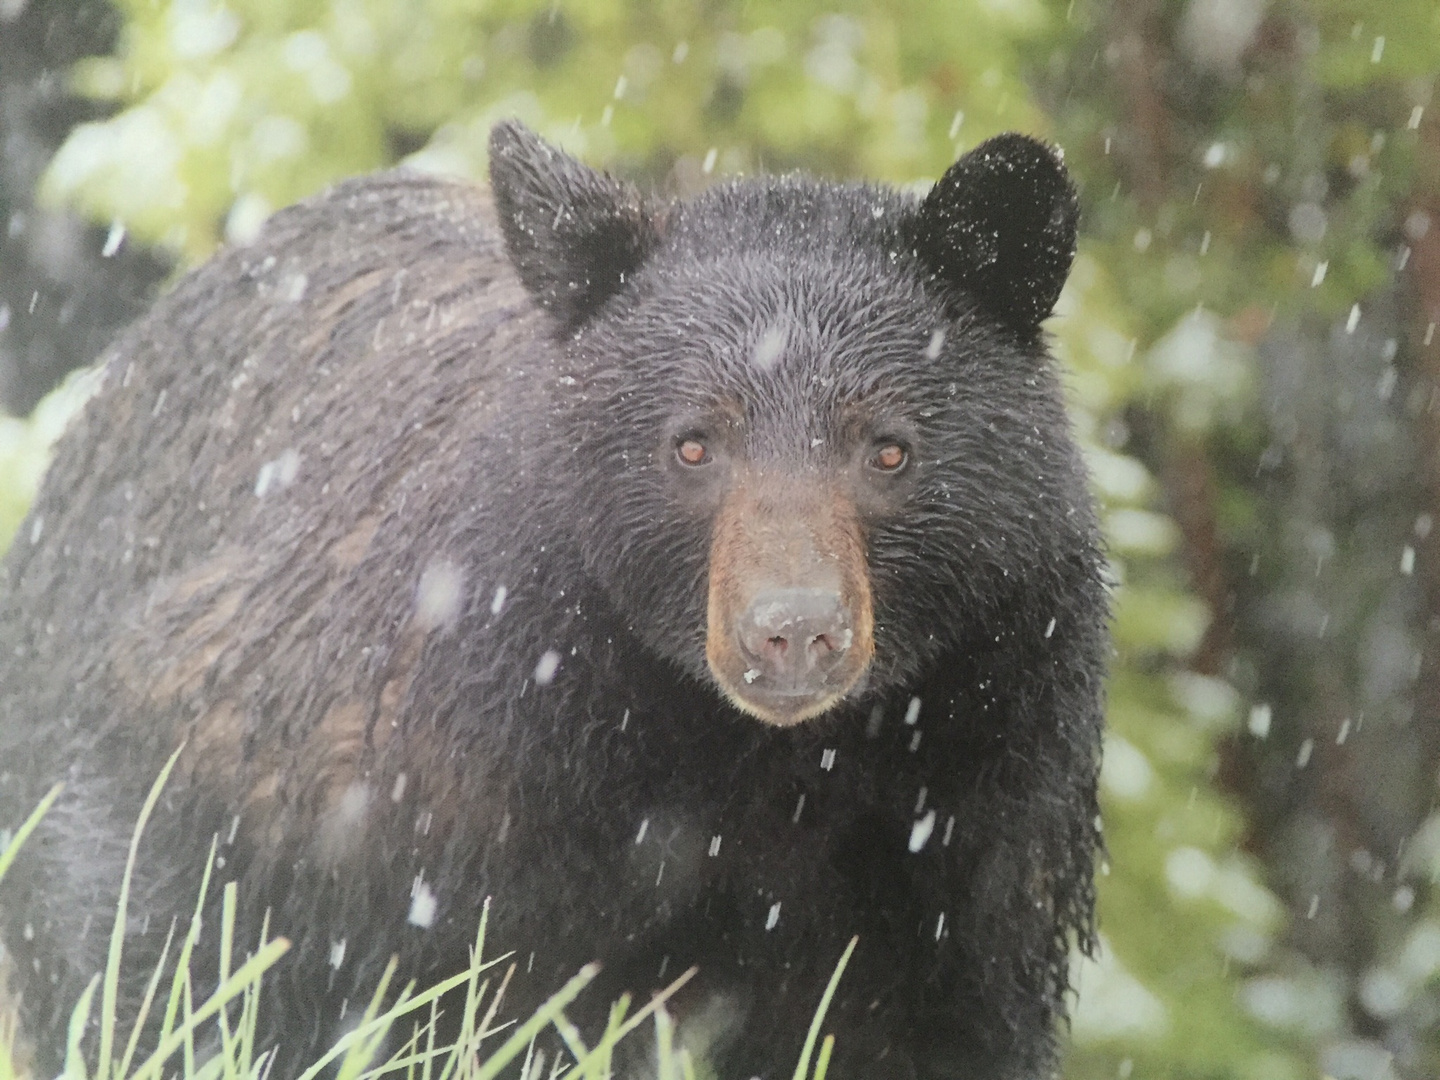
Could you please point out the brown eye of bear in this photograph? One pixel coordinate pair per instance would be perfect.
(692, 452)
(889, 458)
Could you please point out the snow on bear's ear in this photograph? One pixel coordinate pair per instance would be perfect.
(1000, 225)
(573, 234)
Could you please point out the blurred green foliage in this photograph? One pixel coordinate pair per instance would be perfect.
(25, 448)
(233, 110)
(228, 111)
(1262, 187)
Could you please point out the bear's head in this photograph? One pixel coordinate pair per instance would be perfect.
(816, 439)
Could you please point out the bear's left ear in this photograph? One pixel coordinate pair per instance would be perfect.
(1000, 224)
(573, 234)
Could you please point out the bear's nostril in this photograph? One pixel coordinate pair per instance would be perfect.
(815, 621)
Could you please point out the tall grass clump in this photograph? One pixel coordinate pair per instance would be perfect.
(214, 1037)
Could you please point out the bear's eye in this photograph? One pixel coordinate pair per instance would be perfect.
(889, 457)
(691, 451)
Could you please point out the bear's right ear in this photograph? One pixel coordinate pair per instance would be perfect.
(573, 234)
(1000, 225)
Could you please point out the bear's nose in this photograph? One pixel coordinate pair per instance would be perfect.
(794, 638)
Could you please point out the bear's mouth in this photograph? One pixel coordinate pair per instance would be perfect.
(790, 624)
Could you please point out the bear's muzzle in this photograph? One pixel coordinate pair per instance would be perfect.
(790, 625)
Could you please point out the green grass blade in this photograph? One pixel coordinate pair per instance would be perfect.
(802, 1070)
(188, 1030)
(110, 992)
(615, 1033)
(822, 1063)
(573, 1041)
(227, 944)
(665, 1045)
(521, 1036)
(470, 1036)
(192, 938)
(7, 857)
(27, 827)
(7, 1061)
(145, 1003)
(369, 1034)
(374, 1028)
(248, 972)
(602, 1063)
(250, 1016)
(488, 1019)
(75, 1034)
(428, 1066)
(364, 1031)
(405, 1057)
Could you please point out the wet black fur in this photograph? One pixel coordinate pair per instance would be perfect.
(379, 332)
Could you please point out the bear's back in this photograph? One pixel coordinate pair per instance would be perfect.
(207, 548)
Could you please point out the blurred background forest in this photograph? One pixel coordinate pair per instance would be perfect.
(1250, 338)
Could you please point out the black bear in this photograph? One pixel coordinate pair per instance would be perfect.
(708, 582)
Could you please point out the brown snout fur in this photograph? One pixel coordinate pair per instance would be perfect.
(779, 532)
